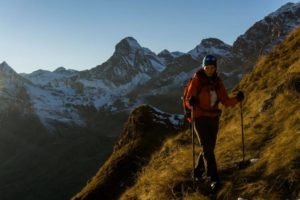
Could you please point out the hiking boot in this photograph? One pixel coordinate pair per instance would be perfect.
(215, 186)
(199, 173)
(198, 176)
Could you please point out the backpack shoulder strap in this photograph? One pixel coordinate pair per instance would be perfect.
(218, 82)
(202, 81)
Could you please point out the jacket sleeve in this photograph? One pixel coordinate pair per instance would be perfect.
(225, 100)
(193, 89)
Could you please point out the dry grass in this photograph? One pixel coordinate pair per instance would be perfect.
(166, 168)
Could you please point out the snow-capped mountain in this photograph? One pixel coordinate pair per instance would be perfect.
(134, 74)
(210, 46)
(56, 95)
(167, 57)
(129, 62)
(234, 61)
(44, 77)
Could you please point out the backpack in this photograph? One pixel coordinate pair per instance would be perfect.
(185, 100)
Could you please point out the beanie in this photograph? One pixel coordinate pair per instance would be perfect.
(209, 60)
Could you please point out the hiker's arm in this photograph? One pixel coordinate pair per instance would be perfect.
(225, 100)
(193, 89)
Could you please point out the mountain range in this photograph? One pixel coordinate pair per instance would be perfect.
(67, 107)
(116, 84)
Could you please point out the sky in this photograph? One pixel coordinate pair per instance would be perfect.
(81, 34)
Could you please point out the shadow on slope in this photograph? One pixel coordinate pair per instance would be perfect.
(38, 165)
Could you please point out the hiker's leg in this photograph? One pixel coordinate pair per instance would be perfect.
(214, 125)
(208, 134)
(200, 162)
(212, 170)
(200, 127)
(200, 166)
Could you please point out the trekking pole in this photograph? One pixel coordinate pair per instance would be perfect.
(244, 163)
(242, 128)
(193, 144)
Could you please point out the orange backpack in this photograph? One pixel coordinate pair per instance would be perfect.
(185, 100)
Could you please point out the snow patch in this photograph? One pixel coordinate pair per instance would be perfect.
(162, 117)
(51, 106)
(202, 51)
(176, 54)
(178, 80)
(119, 71)
(44, 77)
(254, 160)
(157, 65)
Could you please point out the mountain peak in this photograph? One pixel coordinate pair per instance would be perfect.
(210, 46)
(12, 81)
(208, 42)
(288, 7)
(167, 53)
(127, 45)
(132, 42)
(3, 63)
(164, 52)
(60, 69)
(5, 68)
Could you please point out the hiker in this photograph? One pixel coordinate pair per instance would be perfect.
(204, 93)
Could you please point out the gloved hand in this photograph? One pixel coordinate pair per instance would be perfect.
(240, 96)
(192, 101)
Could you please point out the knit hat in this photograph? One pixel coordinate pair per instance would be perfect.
(209, 60)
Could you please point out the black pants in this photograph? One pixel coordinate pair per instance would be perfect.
(206, 129)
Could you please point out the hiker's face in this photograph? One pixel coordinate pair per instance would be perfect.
(209, 70)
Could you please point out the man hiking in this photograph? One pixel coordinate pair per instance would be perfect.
(204, 93)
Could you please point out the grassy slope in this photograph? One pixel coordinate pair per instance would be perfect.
(272, 134)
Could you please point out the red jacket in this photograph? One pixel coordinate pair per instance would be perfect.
(201, 87)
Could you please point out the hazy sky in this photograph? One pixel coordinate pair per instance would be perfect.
(80, 34)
